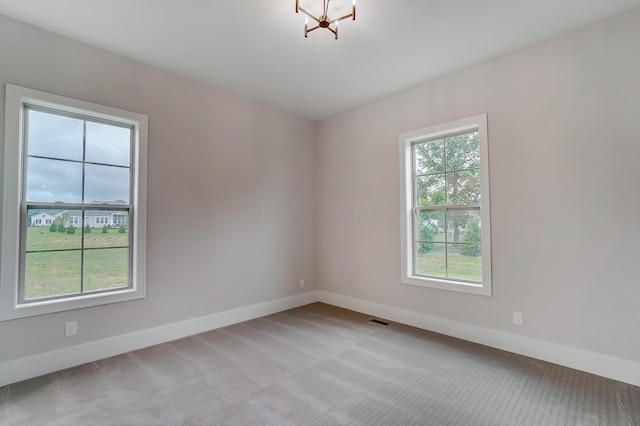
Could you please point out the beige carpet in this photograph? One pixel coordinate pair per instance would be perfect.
(319, 365)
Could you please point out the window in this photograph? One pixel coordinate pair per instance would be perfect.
(119, 219)
(71, 160)
(445, 207)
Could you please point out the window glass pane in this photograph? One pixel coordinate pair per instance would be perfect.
(429, 227)
(463, 188)
(55, 136)
(430, 190)
(459, 222)
(106, 184)
(431, 259)
(108, 144)
(463, 151)
(101, 229)
(429, 157)
(51, 229)
(106, 269)
(54, 180)
(49, 274)
(464, 261)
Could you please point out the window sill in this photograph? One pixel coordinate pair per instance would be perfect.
(29, 309)
(450, 285)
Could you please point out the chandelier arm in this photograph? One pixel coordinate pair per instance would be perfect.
(307, 13)
(314, 28)
(341, 18)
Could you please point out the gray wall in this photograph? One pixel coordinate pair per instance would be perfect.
(218, 167)
(564, 151)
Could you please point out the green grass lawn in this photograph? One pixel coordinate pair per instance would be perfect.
(452, 265)
(54, 273)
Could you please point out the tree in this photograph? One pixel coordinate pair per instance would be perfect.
(65, 218)
(61, 221)
(71, 229)
(122, 229)
(87, 229)
(448, 173)
(471, 236)
(426, 233)
(53, 227)
(105, 229)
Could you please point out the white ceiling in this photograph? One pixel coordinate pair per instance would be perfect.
(256, 48)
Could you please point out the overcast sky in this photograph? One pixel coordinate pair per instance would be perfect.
(60, 138)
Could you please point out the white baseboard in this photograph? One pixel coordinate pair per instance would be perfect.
(579, 359)
(591, 362)
(48, 362)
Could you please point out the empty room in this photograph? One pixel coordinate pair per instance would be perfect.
(305, 212)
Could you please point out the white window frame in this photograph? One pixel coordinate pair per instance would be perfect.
(479, 123)
(16, 98)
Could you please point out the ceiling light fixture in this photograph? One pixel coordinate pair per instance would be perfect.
(324, 21)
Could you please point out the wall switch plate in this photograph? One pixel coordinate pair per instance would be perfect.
(70, 328)
(518, 318)
(301, 283)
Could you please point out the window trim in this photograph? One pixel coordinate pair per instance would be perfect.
(406, 141)
(16, 98)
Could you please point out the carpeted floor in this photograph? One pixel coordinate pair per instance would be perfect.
(320, 365)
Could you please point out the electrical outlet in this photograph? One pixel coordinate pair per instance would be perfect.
(70, 328)
(301, 283)
(518, 319)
